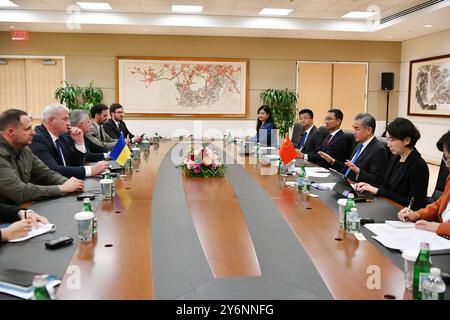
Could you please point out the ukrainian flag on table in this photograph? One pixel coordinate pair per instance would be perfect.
(120, 152)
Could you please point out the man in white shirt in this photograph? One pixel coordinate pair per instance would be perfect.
(369, 158)
(61, 147)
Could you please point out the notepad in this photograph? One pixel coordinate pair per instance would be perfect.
(39, 229)
(324, 186)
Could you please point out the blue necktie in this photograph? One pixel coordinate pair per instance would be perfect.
(358, 151)
(59, 150)
(302, 142)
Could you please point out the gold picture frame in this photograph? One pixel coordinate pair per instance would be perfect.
(182, 87)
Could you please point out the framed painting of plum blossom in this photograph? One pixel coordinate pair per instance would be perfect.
(429, 87)
(182, 87)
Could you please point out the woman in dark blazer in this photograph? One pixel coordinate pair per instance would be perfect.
(265, 127)
(22, 221)
(406, 173)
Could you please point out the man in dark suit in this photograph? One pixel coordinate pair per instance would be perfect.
(369, 159)
(306, 137)
(81, 119)
(335, 144)
(61, 147)
(115, 125)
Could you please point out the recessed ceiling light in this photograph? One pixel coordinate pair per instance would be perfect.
(145, 30)
(7, 3)
(11, 27)
(187, 9)
(428, 26)
(94, 5)
(358, 14)
(275, 12)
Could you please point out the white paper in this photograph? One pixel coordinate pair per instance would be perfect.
(324, 186)
(400, 224)
(406, 238)
(271, 156)
(39, 229)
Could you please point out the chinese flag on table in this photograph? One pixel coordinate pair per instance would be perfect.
(287, 151)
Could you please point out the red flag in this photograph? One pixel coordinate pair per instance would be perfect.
(287, 151)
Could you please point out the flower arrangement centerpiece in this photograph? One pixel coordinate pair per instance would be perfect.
(203, 163)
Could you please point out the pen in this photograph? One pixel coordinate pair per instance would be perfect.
(410, 203)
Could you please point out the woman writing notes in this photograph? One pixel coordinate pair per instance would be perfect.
(406, 173)
(436, 216)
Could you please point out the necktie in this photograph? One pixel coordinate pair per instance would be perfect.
(358, 151)
(102, 137)
(302, 141)
(59, 150)
(328, 139)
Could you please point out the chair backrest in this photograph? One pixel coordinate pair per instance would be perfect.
(351, 142)
(440, 183)
(384, 142)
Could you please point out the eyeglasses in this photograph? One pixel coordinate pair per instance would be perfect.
(329, 118)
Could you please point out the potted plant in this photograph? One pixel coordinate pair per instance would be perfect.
(76, 97)
(283, 103)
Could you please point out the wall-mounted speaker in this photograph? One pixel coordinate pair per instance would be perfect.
(387, 81)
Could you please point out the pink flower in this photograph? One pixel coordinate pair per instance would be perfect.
(197, 168)
(189, 163)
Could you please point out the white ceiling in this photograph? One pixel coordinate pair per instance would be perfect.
(318, 19)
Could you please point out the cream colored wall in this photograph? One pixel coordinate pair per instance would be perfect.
(272, 61)
(431, 129)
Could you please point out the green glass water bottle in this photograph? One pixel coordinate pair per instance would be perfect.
(421, 269)
(40, 289)
(348, 208)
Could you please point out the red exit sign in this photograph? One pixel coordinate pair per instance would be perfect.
(19, 35)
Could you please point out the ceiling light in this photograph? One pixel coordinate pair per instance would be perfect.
(7, 3)
(94, 5)
(358, 14)
(187, 9)
(275, 12)
(428, 26)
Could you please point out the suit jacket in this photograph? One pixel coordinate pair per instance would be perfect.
(44, 148)
(372, 162)
(92, 156)
(8, 213)
(114, 132)
(24, 177)
(412, 181)
(313, 141)
(264, 135)
(339, 148)
(433, 211)
(94, 136)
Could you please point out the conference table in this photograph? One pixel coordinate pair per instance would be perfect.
(243, 236)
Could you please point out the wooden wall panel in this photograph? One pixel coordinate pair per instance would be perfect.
(314, 88)
(13, 92)
(42, 81)
(349, 90)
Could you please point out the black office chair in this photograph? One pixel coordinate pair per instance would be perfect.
(351, 143)
(440, 183)
(384, 142)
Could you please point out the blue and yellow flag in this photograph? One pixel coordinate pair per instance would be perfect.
(120, 152)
